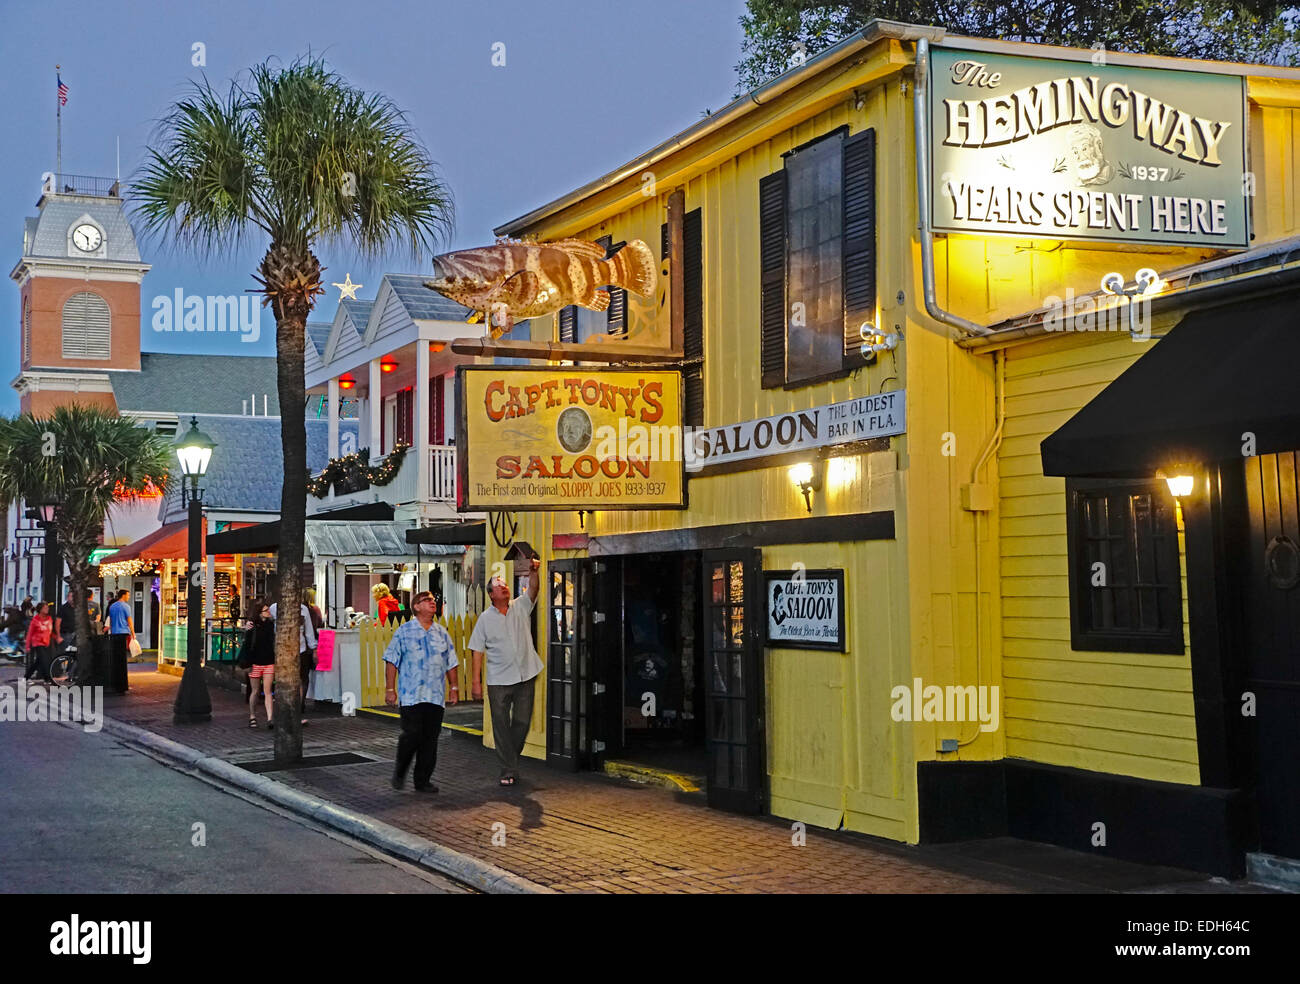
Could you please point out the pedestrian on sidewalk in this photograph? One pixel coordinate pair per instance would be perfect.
(420, 657)
(306, 648)
(387, 605)
(261, 649)
(121, 629)
(39, 634)
(503, 634)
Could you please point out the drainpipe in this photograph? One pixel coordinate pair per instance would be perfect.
(920, 125)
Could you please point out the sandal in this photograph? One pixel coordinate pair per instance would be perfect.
(507, 780)
(252, 722)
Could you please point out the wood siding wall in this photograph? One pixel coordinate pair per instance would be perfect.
(1124, 713)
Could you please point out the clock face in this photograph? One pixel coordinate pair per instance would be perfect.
(86, 238)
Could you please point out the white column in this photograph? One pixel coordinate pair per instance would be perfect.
(332, 394)
(421, 413)
(376, 401)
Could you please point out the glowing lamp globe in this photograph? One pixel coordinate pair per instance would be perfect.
(194, 450)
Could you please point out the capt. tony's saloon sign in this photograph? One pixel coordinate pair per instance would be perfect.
(1077, 150)
(805, 609)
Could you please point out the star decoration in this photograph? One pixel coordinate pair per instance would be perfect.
(348, 288)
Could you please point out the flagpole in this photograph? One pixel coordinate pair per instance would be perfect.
(58, 114)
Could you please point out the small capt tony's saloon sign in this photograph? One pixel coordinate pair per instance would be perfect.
(568, 437)
(1088, 150)
(805, 609)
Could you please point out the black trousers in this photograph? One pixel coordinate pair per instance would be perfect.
(38, 662)
(421, 724)
(118, 654)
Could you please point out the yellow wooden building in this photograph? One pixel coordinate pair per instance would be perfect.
(1106, 715)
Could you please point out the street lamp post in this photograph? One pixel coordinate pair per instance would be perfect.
(52, 566)
(194, 450)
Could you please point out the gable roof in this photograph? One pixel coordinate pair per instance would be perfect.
(421, 303)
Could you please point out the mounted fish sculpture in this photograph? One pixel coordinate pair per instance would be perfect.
(514, 281)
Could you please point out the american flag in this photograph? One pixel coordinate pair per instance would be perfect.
(63, 92)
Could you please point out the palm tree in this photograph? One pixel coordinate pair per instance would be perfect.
(304, 157)
(87, 459)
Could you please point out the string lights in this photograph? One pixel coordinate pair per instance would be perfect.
(352, 468)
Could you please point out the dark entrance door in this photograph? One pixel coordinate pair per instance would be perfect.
(574, 688)
(733, 670)
(1272, 650)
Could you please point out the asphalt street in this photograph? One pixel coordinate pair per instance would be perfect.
(81, 812)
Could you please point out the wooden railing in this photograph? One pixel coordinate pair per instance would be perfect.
(442, 473)
(375, 639)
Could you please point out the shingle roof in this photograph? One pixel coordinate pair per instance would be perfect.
(58, 214)
(359, 312)
(318, 332)
(246, 471)
(421, 303)
(177, 383)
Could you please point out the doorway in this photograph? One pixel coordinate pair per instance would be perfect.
(662, 708)
(1271, 654)
(655, 658)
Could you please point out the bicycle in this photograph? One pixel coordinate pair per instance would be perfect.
(63, 668)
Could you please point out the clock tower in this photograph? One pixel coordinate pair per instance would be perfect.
(79, 295)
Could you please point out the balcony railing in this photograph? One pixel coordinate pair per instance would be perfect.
(81, 184)
(442, 473)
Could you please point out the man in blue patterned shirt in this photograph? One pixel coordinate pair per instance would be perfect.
(419, 657)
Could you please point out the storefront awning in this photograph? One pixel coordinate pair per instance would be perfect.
(265, 537)
(165, 543)
(464, 534)
(1220, 376)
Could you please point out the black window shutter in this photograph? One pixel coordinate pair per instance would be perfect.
(859, 241)
(568, 323)
(617, 314)
(771, 221)
(693, 327)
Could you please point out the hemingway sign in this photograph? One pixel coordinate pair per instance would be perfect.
(805, 609)
(549, 438)
(1075, 150)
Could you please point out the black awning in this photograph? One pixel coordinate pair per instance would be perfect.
(1221, 373)
(265, 537)
(467, 534)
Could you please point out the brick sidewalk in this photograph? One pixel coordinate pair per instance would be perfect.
(583, 832)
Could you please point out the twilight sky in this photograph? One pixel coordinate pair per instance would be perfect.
(587, 86)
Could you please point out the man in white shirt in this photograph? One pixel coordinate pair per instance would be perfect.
(504, 634)
(306, 650)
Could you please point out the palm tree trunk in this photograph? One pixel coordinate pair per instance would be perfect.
(294, 276)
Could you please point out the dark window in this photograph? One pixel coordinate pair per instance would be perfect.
(579, 324)
(1125, 583)
(817, 259)
(405, 418)
(693, 326)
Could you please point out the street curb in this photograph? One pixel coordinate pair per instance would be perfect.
(393, 840)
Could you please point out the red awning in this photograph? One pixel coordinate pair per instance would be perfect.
(167, 543)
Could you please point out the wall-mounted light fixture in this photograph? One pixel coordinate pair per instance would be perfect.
(1180, 477)
(807, 478)
(1145, 282)
(874, 340)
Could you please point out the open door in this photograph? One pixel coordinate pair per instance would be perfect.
(575, 684)
(734, 703)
